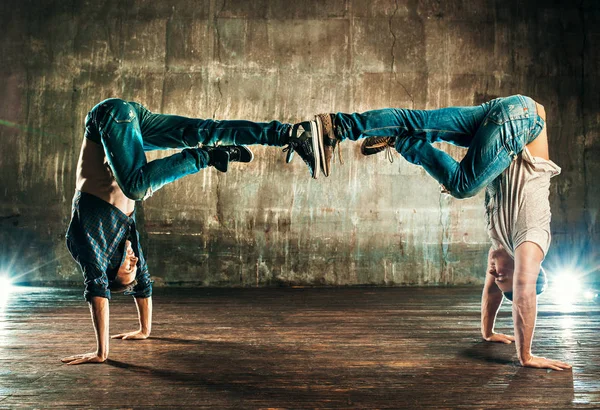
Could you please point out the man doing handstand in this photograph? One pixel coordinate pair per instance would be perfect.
(113, 173)
(508, 155)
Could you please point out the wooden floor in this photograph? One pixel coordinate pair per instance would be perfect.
(293, 348)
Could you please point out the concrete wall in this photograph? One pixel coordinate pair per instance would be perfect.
(268, 223)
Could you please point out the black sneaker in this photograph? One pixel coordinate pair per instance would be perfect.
(374, 145)
(220, 157)
(304, 140)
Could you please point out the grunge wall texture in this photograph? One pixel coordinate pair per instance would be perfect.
(267, 223)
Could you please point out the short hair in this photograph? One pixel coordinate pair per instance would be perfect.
(540, 285)
(117, 287)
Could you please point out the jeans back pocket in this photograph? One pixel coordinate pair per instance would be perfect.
(508, 109)
(122, 115)
(114, 109)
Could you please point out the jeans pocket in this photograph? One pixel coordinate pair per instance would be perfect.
(122, 115)
(508, 109)
(516, 108)
(498, 114)
(114, 110)
(117, 116)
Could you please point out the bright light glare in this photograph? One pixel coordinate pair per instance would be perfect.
(567, 288)
(589, 295)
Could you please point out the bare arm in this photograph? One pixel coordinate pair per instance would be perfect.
(100, 318)
(491, 299)
(528, 259)
(144, 308)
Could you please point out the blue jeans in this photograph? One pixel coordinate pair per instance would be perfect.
(127, 129)
(494, 133)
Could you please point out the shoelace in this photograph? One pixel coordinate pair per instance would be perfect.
(289, 147)
(389, 154)
(292, 147)
(339, 150)
(389, 149)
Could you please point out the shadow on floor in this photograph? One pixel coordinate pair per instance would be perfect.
(496, 353)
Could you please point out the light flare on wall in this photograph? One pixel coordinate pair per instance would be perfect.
(568, 288)
(590, 295)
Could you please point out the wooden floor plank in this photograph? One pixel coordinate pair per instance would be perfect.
(293, 348)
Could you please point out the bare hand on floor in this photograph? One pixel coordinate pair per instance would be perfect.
(500, 338)
(83, 358)
(137, 335)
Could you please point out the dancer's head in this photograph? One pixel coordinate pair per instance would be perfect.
(502, 267)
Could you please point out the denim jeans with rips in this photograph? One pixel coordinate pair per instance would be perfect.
(494, 132)
(127, 130)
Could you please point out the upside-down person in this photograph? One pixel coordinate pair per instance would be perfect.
(507, 153)
(113, 173)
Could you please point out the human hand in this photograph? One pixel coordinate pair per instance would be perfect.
(500, 338)
(543, 363)
(83, 358)
(137, 335)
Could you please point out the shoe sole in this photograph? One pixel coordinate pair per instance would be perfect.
(372, 149)
(317, 142)
(321, 156)
(248, 150)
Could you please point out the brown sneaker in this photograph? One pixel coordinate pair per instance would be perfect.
(374, 145)
(327, 141)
